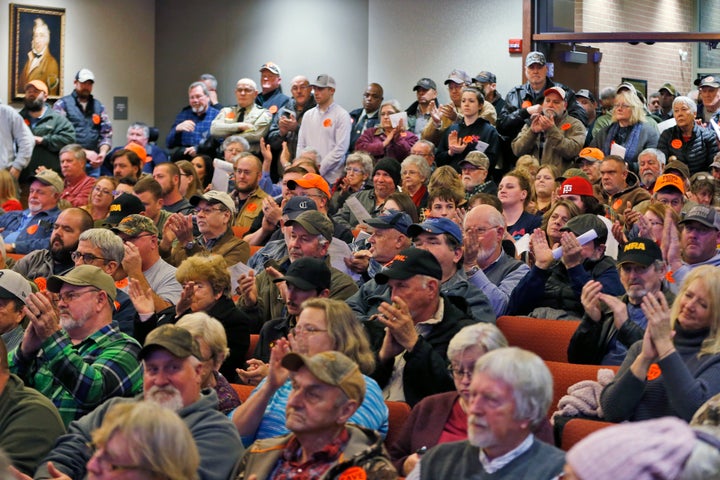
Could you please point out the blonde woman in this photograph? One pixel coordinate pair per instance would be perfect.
(8, 192)
(101, 196)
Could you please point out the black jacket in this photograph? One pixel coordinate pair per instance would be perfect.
(697, 153)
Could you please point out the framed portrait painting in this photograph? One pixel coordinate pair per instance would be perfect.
(37, 36)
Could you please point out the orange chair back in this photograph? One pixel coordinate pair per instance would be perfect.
(567, 374)
(243, 391)
(398, 413)
(254, 337)
(579, 428)
(548, 338)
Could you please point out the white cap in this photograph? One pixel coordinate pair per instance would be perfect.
(85, 75)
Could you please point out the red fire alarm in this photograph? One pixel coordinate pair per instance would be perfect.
(515, 45)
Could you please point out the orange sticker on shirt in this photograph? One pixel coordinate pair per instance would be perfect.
(27, 122)
(565, 126)
(526, 104)
(230, 115)
(32, 229)
(327, 123)
(117, 305)
(617, 204)
(669, 276)
(653, 372)
(96, 119)
(41, 283)
(122, 283)
(676, 143)
(252, 207)
(353, 473)
(273, 109)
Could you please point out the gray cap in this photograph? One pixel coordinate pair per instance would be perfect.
(535, 57)
(324, 81)
(214, 196)
(704, 215)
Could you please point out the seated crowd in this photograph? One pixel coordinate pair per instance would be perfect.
(365, 256)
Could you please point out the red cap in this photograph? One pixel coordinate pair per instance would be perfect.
(556, 90)
(576, 186)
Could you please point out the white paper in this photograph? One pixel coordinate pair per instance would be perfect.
(338, 251)
(669, 123)
(396, 117)
(357, 209)
(582, 240)
(618, 150)
(221, 177)
(522, 244)
(481, 146)
(235, 271)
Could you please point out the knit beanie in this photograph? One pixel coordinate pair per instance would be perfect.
(391, 167)
(649, 450)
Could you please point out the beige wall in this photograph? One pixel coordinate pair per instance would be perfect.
(116, 40)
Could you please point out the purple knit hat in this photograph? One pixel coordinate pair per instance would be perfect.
(650, 450)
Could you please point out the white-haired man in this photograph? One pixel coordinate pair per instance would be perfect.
(246, 119)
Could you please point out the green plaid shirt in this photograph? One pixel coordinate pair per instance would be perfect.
(77, 378)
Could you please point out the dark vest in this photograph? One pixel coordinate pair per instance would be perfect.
(87, 132)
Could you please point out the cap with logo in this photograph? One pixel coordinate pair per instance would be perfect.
(84, 276)
(669, 180)
(85, 75)
(50, 177)
(172, 338)
(314, 222)
(324, 81)
(125, 204)
(708, 81)
(591, 154)
(576, 186)
(408, 263)
(426, 84)
(399, 221)
(476, 159)
(135, 225)
(704, 215)
(307, 273)
(535, 57)
(458, 76)
(271, 67)
(669, 88)
(297, 205)
(39, 84)
(642, 251)
(557, 90)
(332, 368)
(214, 196)
(13, 286)
(585, 93)
(584, 223)
(485, 77)
(437, 226)
(311, 180)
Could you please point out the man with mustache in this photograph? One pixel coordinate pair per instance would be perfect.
(611, 324)
(172, 376)
(70, 352)
(699, 237)
(192, 125)
(57, 259)
(511, 391)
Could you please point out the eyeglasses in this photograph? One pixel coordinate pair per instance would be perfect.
(309, 330)
(623, 105)
(479, 230)
(244, 90)
(68, 297)
(406, 173)
(208, 210)
(107, 463)
(86, 257)
(104, 191)
(126, 238)
(353, 170)
(460, 373)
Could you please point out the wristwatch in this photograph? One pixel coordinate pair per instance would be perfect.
(190, 245)
(472, 271)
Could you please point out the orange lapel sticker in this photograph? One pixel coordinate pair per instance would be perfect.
(676, 143)
(565, 126)
(273, 109)
(353, 473)
(32, 229)
(526, 104)
(617, 204)
(96, 119)
(230, 115)
(122, 283)
(327, 123)
(41, 283)
(252, 207)
(653, 372)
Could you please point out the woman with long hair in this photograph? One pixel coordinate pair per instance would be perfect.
(189, 181)
(514, 193)
(204, 168)
(8, 192)
(101, 196)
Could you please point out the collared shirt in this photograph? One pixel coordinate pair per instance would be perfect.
(289, 465)
(77, 378)
(394, 390)
(202, 127)
(79, 192)
(492, 466)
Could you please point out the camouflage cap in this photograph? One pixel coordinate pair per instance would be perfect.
(332, 368)
(134, 225)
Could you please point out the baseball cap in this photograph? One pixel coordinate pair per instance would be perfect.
(586, 222)
(557, 90)
(585, 93)
(572, 172)
(39, 84)
(84, 276)
(214, 196)
(408, 263)
(708, 81)
(135, 225)
(436, 226)
(426, 83)
(307, 273)
(626, 86)
(85, 75)
(591, 154)
(477, 159)
(125, 204)
(535, 57)
(323, 81)
(13, 286)
(669, 180)
(703, 214)
(50, 177)
(272, 67)
(485, 77)
(576, 186)
(669, 87)
(458, 76)
(138, 150)
(642, 251)
(677, 166)
(332, 368)
(400, 221)
(296, 205)
(172, 338)
(311, 180)
(715, 165)
(315, 223)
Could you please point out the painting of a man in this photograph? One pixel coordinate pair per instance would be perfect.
(40, 63)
